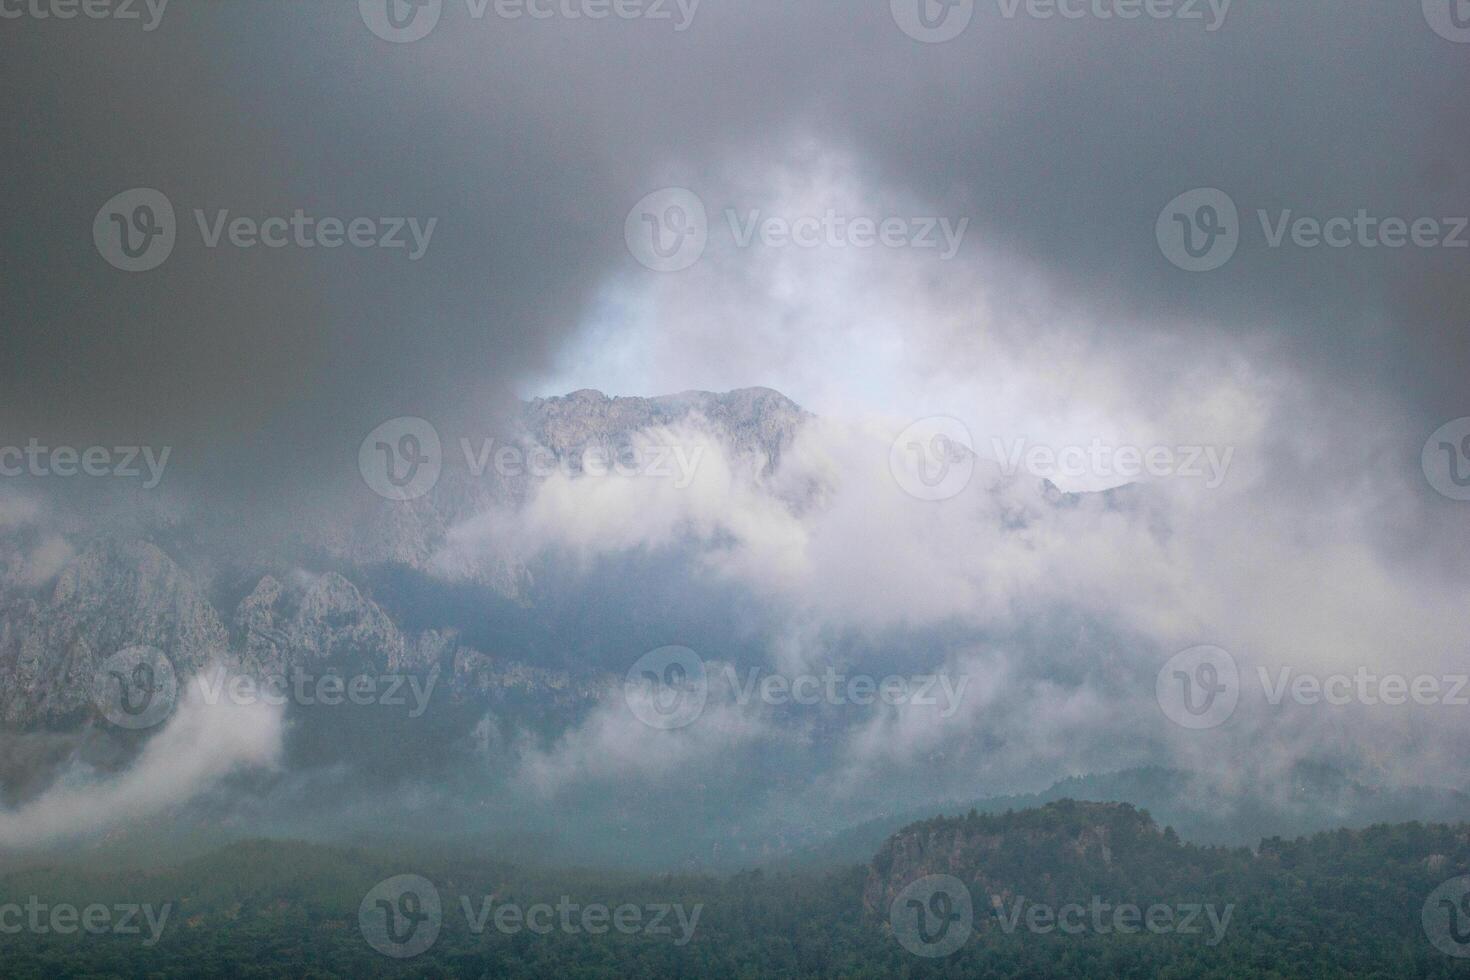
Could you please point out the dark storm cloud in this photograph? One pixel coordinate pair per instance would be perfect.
(529, 139)
(262, 367)
(1070, 137)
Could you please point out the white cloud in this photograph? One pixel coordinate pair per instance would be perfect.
(1321, 548)
(613, 744)
(200, 744)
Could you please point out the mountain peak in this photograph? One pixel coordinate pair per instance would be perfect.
(757, 396)
(748, 420)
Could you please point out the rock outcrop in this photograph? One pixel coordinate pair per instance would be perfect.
(1095, 845)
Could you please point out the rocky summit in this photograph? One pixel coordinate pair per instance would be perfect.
(263, 613)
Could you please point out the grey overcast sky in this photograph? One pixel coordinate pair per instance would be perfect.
(1058, 139)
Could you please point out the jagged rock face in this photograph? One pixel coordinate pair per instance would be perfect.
(118, 595)
(333, 620)
(753, 424)
(491, 677)
(985, 853)
(115, 593)
(112, 596)
(265, 646)
(323, 624)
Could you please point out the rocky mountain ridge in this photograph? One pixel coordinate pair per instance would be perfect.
(752, 426)
(997, 855)
(114, 592)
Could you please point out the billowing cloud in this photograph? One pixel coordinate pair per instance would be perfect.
(199, 745)
(1071, 604)
(615, 743)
